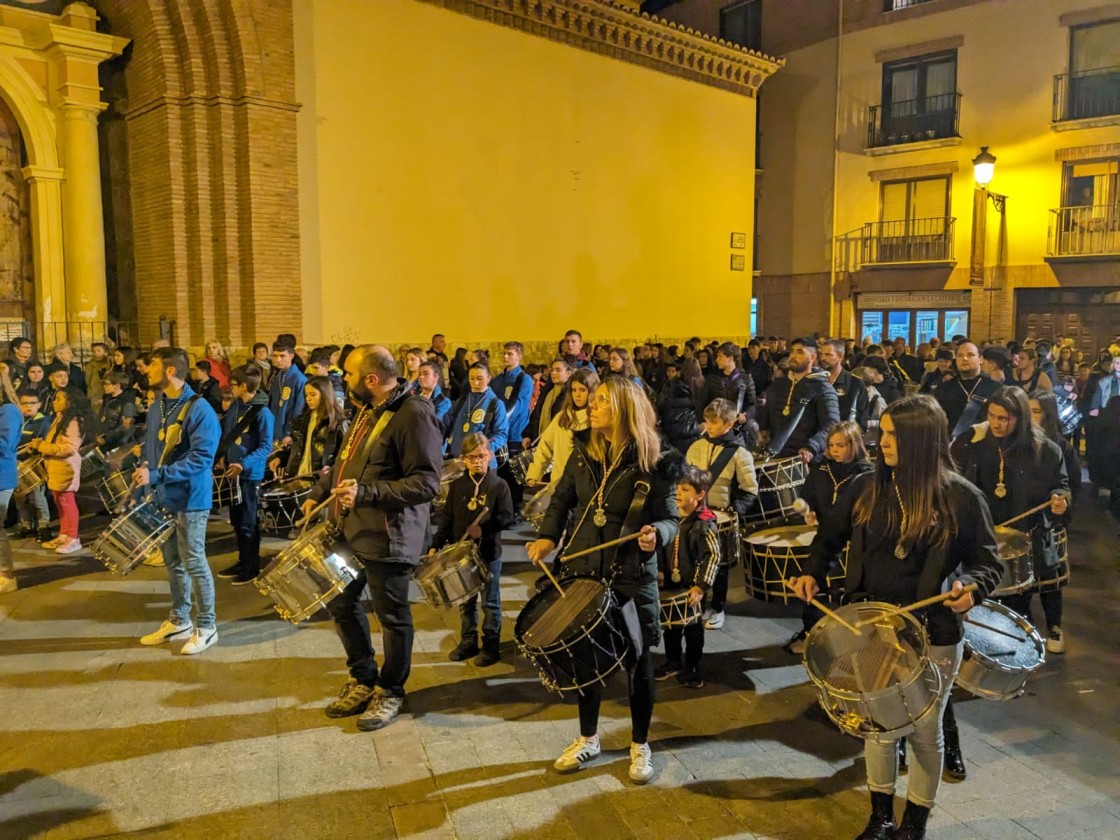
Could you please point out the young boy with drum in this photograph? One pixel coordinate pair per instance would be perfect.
(689, 564)
(35, 516)
(734, 487)
(915, 523)
(477, 489)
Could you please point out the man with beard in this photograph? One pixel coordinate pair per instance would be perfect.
(382, 480)
(804, 399)
(965, 398)
(178, 458)
(850, 393)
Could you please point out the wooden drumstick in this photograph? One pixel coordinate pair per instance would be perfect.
(555, 582)
(600, 547)
(1027, 513)
(303, 523)
(917, 605)
(477, 520)
(830, 613)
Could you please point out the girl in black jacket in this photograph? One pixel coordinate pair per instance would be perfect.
(610, 462)
(316, 433)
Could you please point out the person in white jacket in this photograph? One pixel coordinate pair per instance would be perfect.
(555, 445)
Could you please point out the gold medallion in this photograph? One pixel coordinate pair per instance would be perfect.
(478, 416)
(600, 518)
(162, 434)
(466, 427)
(785, 411)
(472, 505)
(1001, 490)
(899, 551)
(676, 576)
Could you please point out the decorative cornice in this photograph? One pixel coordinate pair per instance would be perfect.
(602, 27)
(210, 102)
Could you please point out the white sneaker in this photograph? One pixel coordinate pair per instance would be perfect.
(200, 640)
(51, 545)
(69, 547)
(167, 632)
(383, 708)
(707, 615)
(1056, 643)
(578, 753)
(641, 763)
(715, 621)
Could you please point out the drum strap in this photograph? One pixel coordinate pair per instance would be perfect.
(969, 415)
(238, 429)
(352, 467)
(174, 432)
(633, 519)
(720, 462)
(779, 442)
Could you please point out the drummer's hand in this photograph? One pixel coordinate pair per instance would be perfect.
(764, 438)
(1058, 504)
(648, 539)
(234, 470)
(220, 464)
(474, 532)
(101, 440)
(810, 518)
(431, 551)
(141, 477)
(135, 451)
(806, 455)
(33, 444)
(695, 596)
(274, 465)
(538, 550)
(961, 602)
(660, 578)
(526, 443)
(740, 419)
(306, 508)
(805, 587)
(347, 493)
(1095, 412)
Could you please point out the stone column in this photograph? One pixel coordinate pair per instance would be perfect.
(45, 186)
(83, 229)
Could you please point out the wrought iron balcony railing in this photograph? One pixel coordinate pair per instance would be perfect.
(895, 5)
(1092, 93)
(909, 241)
(1092, 231)
(914, 120)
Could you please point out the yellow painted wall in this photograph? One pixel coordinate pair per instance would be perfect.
(460, 176)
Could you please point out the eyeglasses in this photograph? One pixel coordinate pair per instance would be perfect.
(477, 456)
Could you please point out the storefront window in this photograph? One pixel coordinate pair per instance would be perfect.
(956, 323)
(872, 327)
(928, 323)
(898, 326)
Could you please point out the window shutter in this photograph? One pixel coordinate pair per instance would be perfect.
(895, 198)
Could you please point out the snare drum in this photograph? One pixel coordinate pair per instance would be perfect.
(1015, 553)
(1001, 650)
(309, 573)
(1057, 577)
(535, 509)
(876, 685)
(778, 484)
(114, 490)
(133, 538)
(519, 465)
(727, 531)
(775, 555)
(227, 491)
(574, 641)
(676, 611)
(32, 475)
(451, 470)
(452, 576)
(1068, 415)
(94, 463)
(281, 503)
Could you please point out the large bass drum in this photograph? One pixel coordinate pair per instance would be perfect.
(281, 503)
(574, 641)
(779, 482)
(775, 555)
(309, 573)
(133, 538)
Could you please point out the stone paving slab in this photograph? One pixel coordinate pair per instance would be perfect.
(106, 738)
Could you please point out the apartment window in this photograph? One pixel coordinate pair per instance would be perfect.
(895, 5)
(911, 201)
(914, 224)
(1094, 70)
(1088, 222)
(920, 97)
(741, 23)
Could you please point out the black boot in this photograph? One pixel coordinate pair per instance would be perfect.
(490, 652)
(953, 769)
(913, 822)
(881, 824)
(464, 650)
(903, 767)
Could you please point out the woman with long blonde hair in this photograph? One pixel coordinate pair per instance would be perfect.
(218, 358)
(612, 462)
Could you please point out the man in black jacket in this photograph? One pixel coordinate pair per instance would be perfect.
(850, 392)
(804, 398)
(382, 481)
(731, 383)
(965, 398)
(549, 401)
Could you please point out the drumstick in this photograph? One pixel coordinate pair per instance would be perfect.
(311, 513)
(477, 519)
(1027, 513)
(995, 629)
(601, 546)
(555, 582)
(830, 613)
(917, 605)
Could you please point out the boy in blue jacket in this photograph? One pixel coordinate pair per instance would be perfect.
(478, 410)
(242, 453)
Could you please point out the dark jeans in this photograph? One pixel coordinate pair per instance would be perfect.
(243, 517)
(693, 636)
(1051, 606)
(388, 583)
(641, 702)
(719, 589)
(516, 491)
(491, 596)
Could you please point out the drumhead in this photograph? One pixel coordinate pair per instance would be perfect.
(1012, 543)
(884, 652)
(791, 535)
(1009, 653)
(451, 555)
(544, 620)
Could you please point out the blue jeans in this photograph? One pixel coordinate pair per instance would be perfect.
(36, 502)
(491, 596)
(185, 556)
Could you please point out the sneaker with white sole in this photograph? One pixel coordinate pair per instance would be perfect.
(641, 763)
(167, 632)
(69, 547)
(715, 622)
(577, 754)
(707, 614)
(1056, 642)
(55, 543)
(352, 700)
(383, 708)
(201, 639)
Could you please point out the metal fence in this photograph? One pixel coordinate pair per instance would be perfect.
(1084, 231)
(81, 334)
(913, 120)
(908, 241)
(1091, 93)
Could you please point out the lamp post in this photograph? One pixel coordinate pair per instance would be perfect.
(983, 170)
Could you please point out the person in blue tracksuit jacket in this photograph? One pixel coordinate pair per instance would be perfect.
(514, 388)
(285, 391)
(183, 484)
(478, 410)
(427, 386)
(242, 455)
(11, 427)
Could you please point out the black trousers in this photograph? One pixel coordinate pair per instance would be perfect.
(243, 517)
(641, 702)
(693, 637)
(516, 491)
(388, 584)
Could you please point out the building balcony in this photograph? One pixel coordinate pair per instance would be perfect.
(1090, 95)
(914, 121)
(911, 242)
(1084, 233)
(897, 5)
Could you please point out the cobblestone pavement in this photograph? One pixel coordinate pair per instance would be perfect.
(104, 737)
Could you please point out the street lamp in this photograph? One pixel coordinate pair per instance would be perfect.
(983, 167)
(983, 170)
